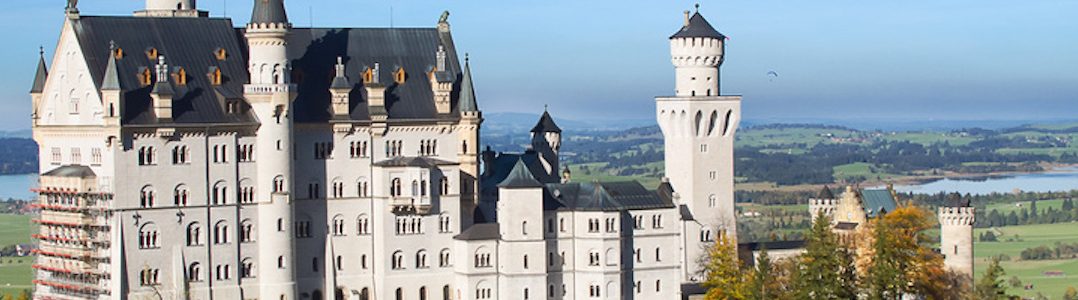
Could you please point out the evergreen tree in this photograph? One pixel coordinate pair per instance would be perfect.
(724, 281)
(1012, 218)
(825, 270)
(991, 285)
(1033, 209)
(884, 278)
(1068, 205)
(763, 284)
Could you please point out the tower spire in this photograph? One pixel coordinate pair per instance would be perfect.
(467, 91)
(42, 73)
(111, 81)
(269, 11)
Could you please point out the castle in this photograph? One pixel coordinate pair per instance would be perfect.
(278, 162)
(856, 206)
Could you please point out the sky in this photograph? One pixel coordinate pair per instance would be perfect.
(607, 59)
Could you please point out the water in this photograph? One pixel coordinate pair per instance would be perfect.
(1064, 179)
(17, 186)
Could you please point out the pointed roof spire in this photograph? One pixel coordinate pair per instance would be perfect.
(467, 91)
(546, 124)
(269, 11)
(697, 26)
(825, 193)
(42, 73)
(111, 82)
(520, 177)
(340, 81)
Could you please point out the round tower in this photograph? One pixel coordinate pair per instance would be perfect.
(170, 8)
(697, 53)
(956, 219)
(270, 94)
(170, 4)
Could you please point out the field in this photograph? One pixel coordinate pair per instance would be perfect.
(1031, 272)
(15, 272)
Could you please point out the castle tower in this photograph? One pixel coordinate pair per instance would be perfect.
(271, 93)
(470, 121)
(956, 219)
(546, 139)
(522, 247)
(825, 202)
(170, 8)
(698, 125)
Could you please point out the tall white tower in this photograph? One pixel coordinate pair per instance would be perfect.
(956, 219)
(271, 93)
(698, 125)
(170, 8)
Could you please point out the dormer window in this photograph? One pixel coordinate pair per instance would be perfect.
(118, 53)
(180, 77)
(214, 75)
(220, 54)
(399, 76)
(368, 75)
(145, 76)
(232, 106)
(152, 53)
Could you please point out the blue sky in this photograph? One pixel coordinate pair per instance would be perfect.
(602, 59)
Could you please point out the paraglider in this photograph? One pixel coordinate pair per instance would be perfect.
(772, 75)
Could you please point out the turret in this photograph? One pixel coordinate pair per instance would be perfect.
(547, 132)
(470, 121)
(956, 218)
(697, 53)
(170, 8)
(824, 202)
(111, 93)
(339, 90)
(38, 86)
(270, 94)
(162, 92)
(441, 82)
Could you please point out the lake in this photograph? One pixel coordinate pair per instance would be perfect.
(1063, 179)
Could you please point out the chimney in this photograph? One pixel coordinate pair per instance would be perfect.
(162, 92)
(686, 18)
(376, 93)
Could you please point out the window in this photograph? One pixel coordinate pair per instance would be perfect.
(57, 156)
(194, 234)
(146, 197)
(422, 293)
(415, 188)
(658, 254)
(525, 293)
(482, 258)
(703, 148)
(705, 235)
(712, 200)
(338, 189)
(638, 222)
(323, 150)
(180, 155)
(561, 224)
(338, 225)
(443, 224)
(636, 253)
(363, 261)
(73, 107)
(443, 259)
(247, 269)
(220, 233)
(147, 155)
(303, 229)
(593, 225)
(76, 156)
(409, 225)
(593, 291)
(421, 259)
(194, 272)
(149, 277)
(524, 228)
(525, 261)
(358, 149)
(397, 262)
(363, 188)
(314, 190)
(247, 231)
(220, 193)
(314, 264)
(395, 187)
(220, 153)
(280, 262)
(611, 225)
(657, 221)
(224, 272)
(393, 148)
(593, 258)
(278, 184)
(400, 294)
(147, 236)
(445, 186)
(658, 286)
(247, 191)
(363, 225)
(245, 153)
(180, 195)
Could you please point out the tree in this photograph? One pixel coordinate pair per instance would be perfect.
(763, 284)
(1071, 294)
(885, 278)
(989, 236)
(24, 295)
(724, 279)
(825, 270)
(991, 286)
(1014, 282)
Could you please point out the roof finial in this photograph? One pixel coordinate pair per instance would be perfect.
(41, 51)
(466, 57)
(698, 7)
(340, 66)
(545, 107)
(112, 45)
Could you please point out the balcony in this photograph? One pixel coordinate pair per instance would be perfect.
(410, 205)
(263, 89)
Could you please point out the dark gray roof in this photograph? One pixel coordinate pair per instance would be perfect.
(467, 91)
(188, 43)
(698, 27)
(482, 231)
(845, 225)
(42, 74)
(546, 124)
(956, 200)
(774, 245)
(71, 171)
(606, 196)
(269, 11)
(411, 161)
(111, 80)
(825, 193)
(314, 52)
(503, 164)
(520, 177)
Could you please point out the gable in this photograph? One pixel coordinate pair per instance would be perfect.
(70, 96)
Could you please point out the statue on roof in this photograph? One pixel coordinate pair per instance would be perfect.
(444, 18)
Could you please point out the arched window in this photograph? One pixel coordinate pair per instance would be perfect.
(247, 191)
(443, 258)
(363, 188)
(658, 254)
(280, 262)
(338, 189)
(363, 261)
(611, 257)
(220, 193)
(395, 188)
(194, 234)
(194, 272)
(525, 261)
(415, 188)
(220, 233)
(423, 188)
(247, 231)
(421, 259)
(338, 225)
(397, 261)
(179, 197)
(247, 269)
(146, 197)
(593, 258)
(365, 294)
(339, 263)
(147, 236)
(400, 294)
(422, 293)
(445, 292)
(363, 225)
(278, 184)
(445, 186)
